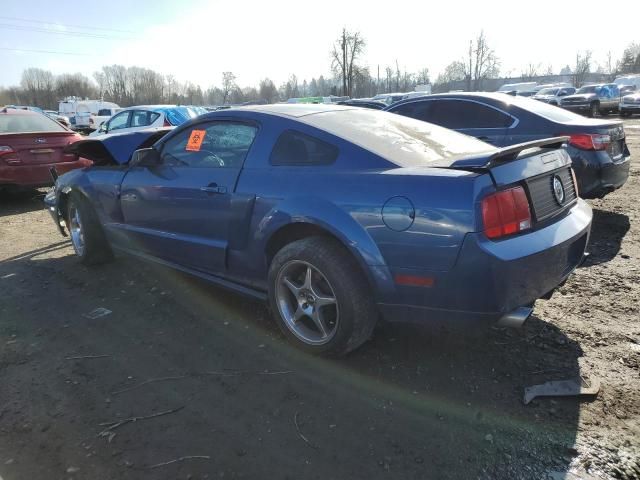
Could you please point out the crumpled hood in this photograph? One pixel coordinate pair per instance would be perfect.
(116, 148)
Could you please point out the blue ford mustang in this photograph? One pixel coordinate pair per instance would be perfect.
(337, 216)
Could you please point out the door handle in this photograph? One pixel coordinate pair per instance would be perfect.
(213, 188)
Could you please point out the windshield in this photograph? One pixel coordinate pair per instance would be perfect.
(403, 141)
(28, 124)
(548, 91)
(589, 89)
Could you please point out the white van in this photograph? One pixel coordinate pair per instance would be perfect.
(79, 111)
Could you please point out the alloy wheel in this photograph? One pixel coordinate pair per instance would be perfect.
(76, 230)
(306, 302)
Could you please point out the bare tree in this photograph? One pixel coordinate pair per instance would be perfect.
(73, 84)
(422, 78)
(482, 62)
(228, 85)
(38, 87)
(530, 72)
(346, 51)
(582, 68)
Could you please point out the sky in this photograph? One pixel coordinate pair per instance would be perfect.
(197, 40)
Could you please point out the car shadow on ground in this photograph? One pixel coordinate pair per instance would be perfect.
(15, 202)
(607, 231)
(415, 402)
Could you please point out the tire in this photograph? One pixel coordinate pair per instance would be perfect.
(624, 113)
(347, 322)
(594, 109)
(87, 236)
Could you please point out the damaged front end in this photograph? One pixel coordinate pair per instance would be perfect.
(103, 151)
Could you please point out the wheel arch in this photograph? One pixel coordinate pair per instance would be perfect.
(297, 230)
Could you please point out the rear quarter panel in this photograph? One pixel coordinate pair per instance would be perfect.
(346, 199)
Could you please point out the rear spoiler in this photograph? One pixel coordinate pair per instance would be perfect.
(510, 153)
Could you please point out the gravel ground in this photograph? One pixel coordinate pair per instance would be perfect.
(183, 380)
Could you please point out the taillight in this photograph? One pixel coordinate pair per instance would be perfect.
(506, 212)
(590, 141)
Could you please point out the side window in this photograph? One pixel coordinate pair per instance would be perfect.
(296, 148)
(459, 114)
(417, 110)
(210, 145)
(119, 121)
(140, 118)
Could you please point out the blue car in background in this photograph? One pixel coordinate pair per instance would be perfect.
(598, 149)
(336, 216)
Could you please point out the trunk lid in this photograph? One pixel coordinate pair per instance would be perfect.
(40, 147)
(542, 167)
(615, 130)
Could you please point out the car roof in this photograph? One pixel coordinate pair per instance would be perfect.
(292, 110)
(9, 110)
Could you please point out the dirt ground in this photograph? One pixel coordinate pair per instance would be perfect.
(183, 380)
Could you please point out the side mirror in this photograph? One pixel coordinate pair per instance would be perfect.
(103, 128)
(145, 157)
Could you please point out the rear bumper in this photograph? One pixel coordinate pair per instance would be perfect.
(630, 107)
(597, 173)
(493, 278)
(35, 176)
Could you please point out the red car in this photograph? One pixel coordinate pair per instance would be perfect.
(30, 144)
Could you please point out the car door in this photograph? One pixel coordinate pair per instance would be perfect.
(118, 123)
(180, 211)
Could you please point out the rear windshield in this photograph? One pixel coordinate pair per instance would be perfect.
(28, 123)
(550, 112)
(403, 141)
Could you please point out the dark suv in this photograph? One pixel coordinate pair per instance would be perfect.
(597, 148)
(594, 100)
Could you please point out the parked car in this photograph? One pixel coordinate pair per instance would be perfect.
(337, 216)
(364, 103)
(30, 145)
(597, 147)
(630, 104)
(593, 100)
(148, 116)
(633, 79)
(80, 111)
(627, 89)
(63, 120)
(389, 98)
(102, 116)
(553, 95)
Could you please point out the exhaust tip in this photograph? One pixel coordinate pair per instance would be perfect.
(515, 318)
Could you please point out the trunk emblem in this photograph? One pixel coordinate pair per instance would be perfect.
(558, 190)
(41, 140)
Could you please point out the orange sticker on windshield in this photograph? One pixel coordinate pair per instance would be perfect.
(195, 140)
